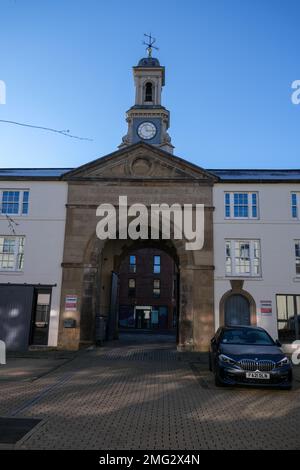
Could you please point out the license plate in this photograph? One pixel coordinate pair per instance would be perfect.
(257, 375)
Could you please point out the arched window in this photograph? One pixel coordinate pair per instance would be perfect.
(148, 92)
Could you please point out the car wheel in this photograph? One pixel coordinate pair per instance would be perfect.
(287, 387)
(218, 382)
(209, 362)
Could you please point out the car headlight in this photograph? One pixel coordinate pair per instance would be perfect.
(283, 362)
(227, 359)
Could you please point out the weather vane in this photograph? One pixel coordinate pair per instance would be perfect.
(149, 43)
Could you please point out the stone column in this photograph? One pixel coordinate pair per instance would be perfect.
(89, 305)
(186, 310)
(203, 307)
(69, 337)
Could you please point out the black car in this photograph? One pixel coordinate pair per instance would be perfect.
(242, 355)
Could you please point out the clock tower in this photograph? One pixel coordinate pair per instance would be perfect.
(148, 121)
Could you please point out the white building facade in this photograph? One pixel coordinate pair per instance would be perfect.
(257, 250)
(32, 227)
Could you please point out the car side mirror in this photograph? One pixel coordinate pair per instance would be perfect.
(278, 343)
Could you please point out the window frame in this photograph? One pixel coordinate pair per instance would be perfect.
(297, 256)
(156, 290)
(230, 205)
(18, 253)
(295, 206)
(131, 290)
(132, 266)
(155, 265)
(23, 201)
(294, 305)
(230, 258)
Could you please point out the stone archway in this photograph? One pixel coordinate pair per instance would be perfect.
(128, 306)
(102, 258)
(159, 178)
(93, 278)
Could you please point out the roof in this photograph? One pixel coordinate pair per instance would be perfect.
(256, 176)
(225, 176)
(168, 159)
(149, 62)
(32, 173)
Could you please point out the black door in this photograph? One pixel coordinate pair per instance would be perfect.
(143, 318)
(41, 317)
(15, 316)
(237, 310)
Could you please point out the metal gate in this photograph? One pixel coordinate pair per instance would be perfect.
(112, 327)
(16, 304)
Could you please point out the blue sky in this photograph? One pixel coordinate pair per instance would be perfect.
(229, 68)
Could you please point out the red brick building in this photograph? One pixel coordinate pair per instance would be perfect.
(148, 290)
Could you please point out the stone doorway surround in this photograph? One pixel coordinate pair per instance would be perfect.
(145, 175)
(237, 289)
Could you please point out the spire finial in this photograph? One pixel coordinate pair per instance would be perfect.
(149, 43)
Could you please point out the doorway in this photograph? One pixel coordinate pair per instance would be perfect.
(143, 317)
(237, 310)
(40, 317)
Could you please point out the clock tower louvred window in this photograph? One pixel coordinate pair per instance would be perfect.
(148, 92)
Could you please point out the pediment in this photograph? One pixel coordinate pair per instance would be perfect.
(140, 161)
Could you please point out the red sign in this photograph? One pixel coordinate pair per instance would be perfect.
(266, 307)
(71, 303)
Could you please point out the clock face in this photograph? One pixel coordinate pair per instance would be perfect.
(147, 130)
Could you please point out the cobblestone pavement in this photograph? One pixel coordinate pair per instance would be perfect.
(139, 393)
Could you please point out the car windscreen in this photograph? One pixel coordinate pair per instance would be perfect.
(246, 336)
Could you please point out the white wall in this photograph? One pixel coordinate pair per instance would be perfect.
(276, 231)
(44, 229)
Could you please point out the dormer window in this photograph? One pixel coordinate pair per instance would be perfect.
(148, 92)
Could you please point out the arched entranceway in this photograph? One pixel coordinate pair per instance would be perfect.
(96, 279)
(94, 283)
(237, 310)
(138, 286)
(144, 175)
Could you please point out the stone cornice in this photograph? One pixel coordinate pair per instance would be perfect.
(95, 206)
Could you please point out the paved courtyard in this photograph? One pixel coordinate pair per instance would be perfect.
(139, 393)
